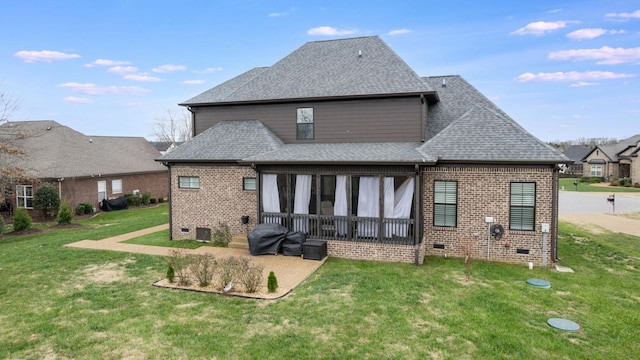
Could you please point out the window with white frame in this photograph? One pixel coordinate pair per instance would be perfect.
(445, 203)
(304, 123)
(24, 196)
(596, 170)
(189, 182)
(116, 186)
(523, 206)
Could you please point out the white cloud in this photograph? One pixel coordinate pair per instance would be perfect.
(328, 30)
(399, 32)
(77, 100)
(284, 13)
(106, 62)
(572, 76)
(169, 68)
(92, 89)
(122, 69)
(44, 56)
(541, 27)
(584, 83)
(193, 82)
(604, 55)
(591, 33)
(625, 15)
(142, 77)
(208, 70)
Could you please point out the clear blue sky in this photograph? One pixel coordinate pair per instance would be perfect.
(562, 69)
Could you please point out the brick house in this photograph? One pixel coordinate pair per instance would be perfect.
(84, 169)
(342, 140)
(614, 161)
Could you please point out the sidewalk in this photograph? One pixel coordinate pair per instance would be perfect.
(289, 270)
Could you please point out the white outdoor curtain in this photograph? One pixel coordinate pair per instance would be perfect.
(340, 204)
(388, 204)
(402, 206)
(368, 205)
(302, 197)
(270, 197)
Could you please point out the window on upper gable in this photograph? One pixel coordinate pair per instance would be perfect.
(304, 123)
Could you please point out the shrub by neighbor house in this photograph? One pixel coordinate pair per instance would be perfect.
(21, 220)
(64, 214)
(46, 199)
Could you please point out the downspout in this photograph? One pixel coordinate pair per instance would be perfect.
(60, 187)
(554, 215)
(258, 194)
(193, 121)
(170, 203)
(417, 206)
(423, 117)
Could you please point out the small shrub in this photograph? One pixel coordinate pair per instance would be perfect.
(84, 209)
(46, 199)
(202, 267)
(272, 282)
(179, 261)
(144, 198)
(64, 214)
(615, 183)
(21, 220)
(160, 200)
(221, 235)
(133, 199)
(152, 200)
(628, 185)
(636, 185)
(171, 275)
(252, 277)
(1, 225)
(585, 179)
(228, 270)
(595, 180)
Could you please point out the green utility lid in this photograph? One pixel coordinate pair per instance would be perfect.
(539, 283)
(563, 324)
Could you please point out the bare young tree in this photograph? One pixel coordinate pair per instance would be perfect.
(173, 126)
(8, 105)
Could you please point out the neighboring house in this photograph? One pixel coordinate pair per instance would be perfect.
(342, 140)
(614, 161)
(165, 146)
(84, 169)
(576, 153)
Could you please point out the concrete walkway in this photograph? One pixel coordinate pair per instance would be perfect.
(289, 270)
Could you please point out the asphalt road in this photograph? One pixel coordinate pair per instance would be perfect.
(572, 202)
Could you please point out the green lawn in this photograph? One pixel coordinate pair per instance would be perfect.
(567, 184)
(67, 303)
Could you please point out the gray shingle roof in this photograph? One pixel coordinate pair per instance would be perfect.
(53, 150)
(227, 141)
(463, 126)
(466, 126)
(345, 153)
(613, 150)
(330, 68)
(577, 152)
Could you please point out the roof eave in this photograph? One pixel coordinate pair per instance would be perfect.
(431, 96)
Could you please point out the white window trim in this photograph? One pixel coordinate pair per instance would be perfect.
(24, 196)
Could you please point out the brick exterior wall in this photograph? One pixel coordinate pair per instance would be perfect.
(85, 190)
(377, 252)
(77, 191)
(220, 199)
(482, 192)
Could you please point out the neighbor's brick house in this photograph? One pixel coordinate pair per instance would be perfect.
(614, 161)
(343, 141)
(84, 169)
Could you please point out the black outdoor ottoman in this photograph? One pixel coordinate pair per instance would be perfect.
(314, 249)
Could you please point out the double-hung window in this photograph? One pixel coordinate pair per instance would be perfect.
(304, 123)
(24, 196)
(445, 203)
(116, 186)
(523, 206)
(189, 182)
(596, 170)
